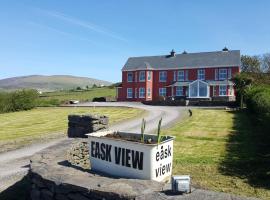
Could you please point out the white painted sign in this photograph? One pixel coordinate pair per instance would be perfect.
(131, 159)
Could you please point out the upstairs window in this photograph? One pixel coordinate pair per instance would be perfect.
(129, 93)
(201, 74)
(129, 77)
(141, 92)
(142, 76)
(162, 92)
(180, 75)
(149, 75)
(162, 76)
(222, 74)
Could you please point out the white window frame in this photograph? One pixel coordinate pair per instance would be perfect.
(198, 88)
(181, 75)
(142, 92)
(129, 93)
(219, 90)
(186, 75)
(142, 76)
(162, 76)
(149, 75)
(222, 74)
(162, 92)
(130, 73)
(149, 92)
(179, 91)
(201, 74)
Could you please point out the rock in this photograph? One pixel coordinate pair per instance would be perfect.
(35, 194)
(46, 194)
(77, 196)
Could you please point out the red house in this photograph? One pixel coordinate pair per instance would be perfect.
(203, 75)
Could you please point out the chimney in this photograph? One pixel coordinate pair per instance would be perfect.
(225, 49)
(172, 53)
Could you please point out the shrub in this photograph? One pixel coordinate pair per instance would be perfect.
(18, 100)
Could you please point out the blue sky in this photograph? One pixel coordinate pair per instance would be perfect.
(95, 38)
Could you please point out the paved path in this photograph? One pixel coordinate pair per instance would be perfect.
(14, 164)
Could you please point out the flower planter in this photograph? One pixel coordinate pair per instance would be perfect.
(126, 156)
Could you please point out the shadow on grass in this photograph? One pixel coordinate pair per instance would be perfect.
(248, 150)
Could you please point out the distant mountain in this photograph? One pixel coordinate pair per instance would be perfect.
(49, 83)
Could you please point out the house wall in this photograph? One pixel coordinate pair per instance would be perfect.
(155, 84)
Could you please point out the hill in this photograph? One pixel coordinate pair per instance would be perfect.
(49, 83)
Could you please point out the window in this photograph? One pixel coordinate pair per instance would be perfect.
(149, 75)
(180, 75)
(162, 76)
(198, 89)
(222, 90)
(142, 76)
(216, 74)
(222, 74)
(179, 91)
(141, 92)
(174, 75)
(229, 73)
(148, 92)
(162, 92)
(129, 77)
(186, 75)
(201, 74)
(129, 93)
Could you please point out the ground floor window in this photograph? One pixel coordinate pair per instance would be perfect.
(148, 92)
(135, 93)
(162, 92)
(129, 93)
(222, 90)
(141, 92)
(198, 89)
(179, 91)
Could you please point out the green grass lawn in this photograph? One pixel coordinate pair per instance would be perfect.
(223, 151)
(21, 128)
(50, 98)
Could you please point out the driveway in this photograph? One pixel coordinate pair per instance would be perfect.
(14, 164)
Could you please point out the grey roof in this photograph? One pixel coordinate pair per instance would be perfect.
(189, 60)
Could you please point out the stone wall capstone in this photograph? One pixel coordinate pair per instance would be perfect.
(79, 125)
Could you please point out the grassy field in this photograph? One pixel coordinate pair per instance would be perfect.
(21, 128)
(54, 98)
(223, 151)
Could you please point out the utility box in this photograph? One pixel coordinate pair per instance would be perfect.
(181, 184)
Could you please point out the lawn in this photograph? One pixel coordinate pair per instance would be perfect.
(223, 151)
(21, 128)
(52, 98)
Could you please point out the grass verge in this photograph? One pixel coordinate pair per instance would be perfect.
(22, 128)
(223, 151)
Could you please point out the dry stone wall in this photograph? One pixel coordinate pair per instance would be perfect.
(79, 125)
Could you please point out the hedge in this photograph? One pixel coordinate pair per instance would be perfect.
(18, 100)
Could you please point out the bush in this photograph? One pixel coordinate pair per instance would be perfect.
(18, 100)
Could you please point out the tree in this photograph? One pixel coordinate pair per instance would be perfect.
(94, 86)
(78, 88)
(242, 82)
(265, 62)
(250, 64)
